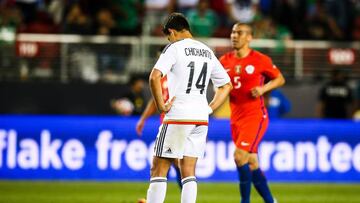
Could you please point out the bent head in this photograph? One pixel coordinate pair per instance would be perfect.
(176, 27)
(241, 36)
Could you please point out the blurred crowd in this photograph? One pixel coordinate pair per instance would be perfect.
(273, 19)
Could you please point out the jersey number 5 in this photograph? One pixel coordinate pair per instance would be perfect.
(200, 82)
(237, 83)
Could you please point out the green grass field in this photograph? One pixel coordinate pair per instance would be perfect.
(124, 192)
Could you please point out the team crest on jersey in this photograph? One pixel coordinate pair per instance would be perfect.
(249, 69)
(238, 69)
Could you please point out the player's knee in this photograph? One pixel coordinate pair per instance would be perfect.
(154, 171)
(253, 166)
(253, 162)
(157, 170)
(241, 157)
(187, 171)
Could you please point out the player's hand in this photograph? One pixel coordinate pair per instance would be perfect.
(139, 127)
(257, 92)
(168, 105)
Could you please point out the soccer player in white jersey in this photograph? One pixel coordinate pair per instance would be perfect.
(188, 65)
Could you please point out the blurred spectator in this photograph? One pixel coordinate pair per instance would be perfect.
(28, 9)
(321, 25)
(112, 61)
(184, 6)
(290, 14)
(10, 20)
(219, 7)
(42, 23)
(133, 103)
(203, 21)
(128, 16)
(277, 104)
(155, 13)
(244, 11)
(264, 29)
(105, 23)
(335, 97)
(55, 8)
(78, 21)
(356, 29)
(224, 28)
(45, 66)
(341, 12)
(83, 64)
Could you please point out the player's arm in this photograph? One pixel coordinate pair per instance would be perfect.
(149, 110)
(220, 96)
(278, 81)
(156, 91)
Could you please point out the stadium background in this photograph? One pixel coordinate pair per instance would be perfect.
(65, 64)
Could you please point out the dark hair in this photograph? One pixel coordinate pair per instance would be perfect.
(176, 21)
(248, 25)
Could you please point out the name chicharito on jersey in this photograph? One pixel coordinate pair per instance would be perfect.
(197, 52)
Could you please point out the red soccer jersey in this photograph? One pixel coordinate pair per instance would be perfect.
(165, 93)
(247, 73)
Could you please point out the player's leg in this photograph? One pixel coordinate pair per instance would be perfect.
(167, 147)
(259, 179)
(176, 164)
(189, 184)
(158, 181)
(240, 133)
(241, 157)
(195, 144)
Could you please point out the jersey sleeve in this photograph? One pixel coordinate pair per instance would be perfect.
(218, 76)
(269, 69)
(166, 60)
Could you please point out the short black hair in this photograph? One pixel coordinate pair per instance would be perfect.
(176, 21)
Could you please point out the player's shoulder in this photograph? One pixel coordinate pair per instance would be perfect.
(166, 47)
(172, 45)
(227, 56)
(198, 44)
(260, 56)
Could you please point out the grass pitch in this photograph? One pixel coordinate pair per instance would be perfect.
(125, 192)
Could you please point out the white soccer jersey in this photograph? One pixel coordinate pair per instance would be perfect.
(189, 65)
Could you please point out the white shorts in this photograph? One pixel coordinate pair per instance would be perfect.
(176, 141)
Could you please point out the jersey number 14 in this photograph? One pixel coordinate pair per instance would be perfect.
(200, 82)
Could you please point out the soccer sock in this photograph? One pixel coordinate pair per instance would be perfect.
(189, 190)
(261, 185)
(157, 190)
(178, 177)
(245, 182)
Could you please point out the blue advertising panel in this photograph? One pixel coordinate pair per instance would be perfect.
(107, 148)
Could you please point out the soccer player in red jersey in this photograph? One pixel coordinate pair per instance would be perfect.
(248, 69)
